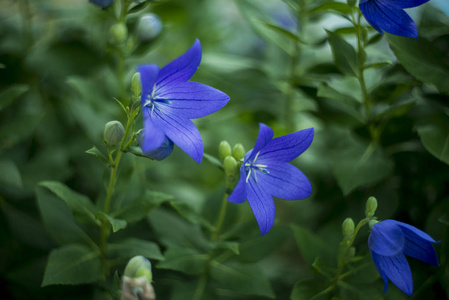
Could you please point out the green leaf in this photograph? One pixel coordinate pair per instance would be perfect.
(323, 268)
(336, 7)
(244, 279)
(434, 134)
(344, 54)
(122, 106)
(81, 206)
(185, 260)
(137, 151)
(138, 209)
(10, 94)
(378, 65)
(396, 110)
(187, 212)
(226, 245)
(356, 163)
(59, 221)
(347, 103)
(10, 174)
(138, 7)
(72, 264)
(422, 59)
(279, 30)
(309, 289)
(97, 153)
(132, 247)
(311, 245)
(116, 224)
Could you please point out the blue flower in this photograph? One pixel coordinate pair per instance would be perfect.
(102, 3)
(169, 101)
(389, 242)
(389, 16)
(265, 172)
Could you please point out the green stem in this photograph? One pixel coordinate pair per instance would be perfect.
(221, 217)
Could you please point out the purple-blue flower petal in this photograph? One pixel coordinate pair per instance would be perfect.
(386, 238)
(418, 244)
(182, 68)
(239, 193)
(264, 137)
(102, 3)
(405, 3)
(192, 99)
(181, 131)
(153, 136)
(148, 75)
(415, 231)
(384, 17)
(262, 205)
(164, 150)
(284, 181)
(395, 268)
(288, 147)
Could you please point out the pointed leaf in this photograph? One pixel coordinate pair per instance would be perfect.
(131, 247)
(185, 260)
(344, 54)
(97, 153)
(116, 224)
(10, 94)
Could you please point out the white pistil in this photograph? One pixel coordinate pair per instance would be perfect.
(258, 167)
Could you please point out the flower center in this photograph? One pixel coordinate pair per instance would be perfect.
(153, 101)
(251, 164)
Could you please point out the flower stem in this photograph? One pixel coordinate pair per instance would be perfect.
(221, 217)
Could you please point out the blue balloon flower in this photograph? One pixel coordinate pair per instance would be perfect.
(389, 16)
(102, 3)
(389, 242)
(169, 101)
(265, 172)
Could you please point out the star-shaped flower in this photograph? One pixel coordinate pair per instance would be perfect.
(169, 101)
(389, 16)
(389, 242)
(265, 172)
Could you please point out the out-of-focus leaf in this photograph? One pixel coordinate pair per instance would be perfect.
(187, 212)
(97, 153)
(10, 94)
(308, 289)
(185, 260)
(311, 245)
(396, 110)
(10, 174)
(422, 59)
(281, 31)
(80, 205)
(227, 63)
(131, 247)
(344, 54)
(138, 209)
(232, 246)
(116, 224)
(72, 264)
(244, 279)
(172, 230)
(323, 268)
(434, 134)
(138, 7)
(336, 7)
(213, 160)
(59, 221)
(377, 65)
(347, 103)
(356, 163)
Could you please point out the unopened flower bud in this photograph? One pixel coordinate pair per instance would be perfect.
(371, 206)
(350, 253)
(136, 86)
(118, 33)
(238, 151)
(113, 133)
(348, 227)
(230, 166)
(137, 289)
(148, 28)
(224, 150)
(139, 266)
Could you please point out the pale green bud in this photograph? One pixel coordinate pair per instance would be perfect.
(113, 133)
(139, 266)
(224, 150)
(136, 86)
(230, 166)
(148, 28)
(348, 227)
(118, 33)
(238, 151)
(371, 206)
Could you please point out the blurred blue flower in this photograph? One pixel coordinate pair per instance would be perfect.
(389, 242)
(169, 101)
(102, 3)
(389, 16)
(265, 173)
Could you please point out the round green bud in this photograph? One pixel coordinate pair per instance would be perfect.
(224, 150)
(238, 151)
(149, 26)
(139, 266)
(136, 86)
(118, 33)
(371, 206)
(113, 133)
(348, 227)
(230, 166)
